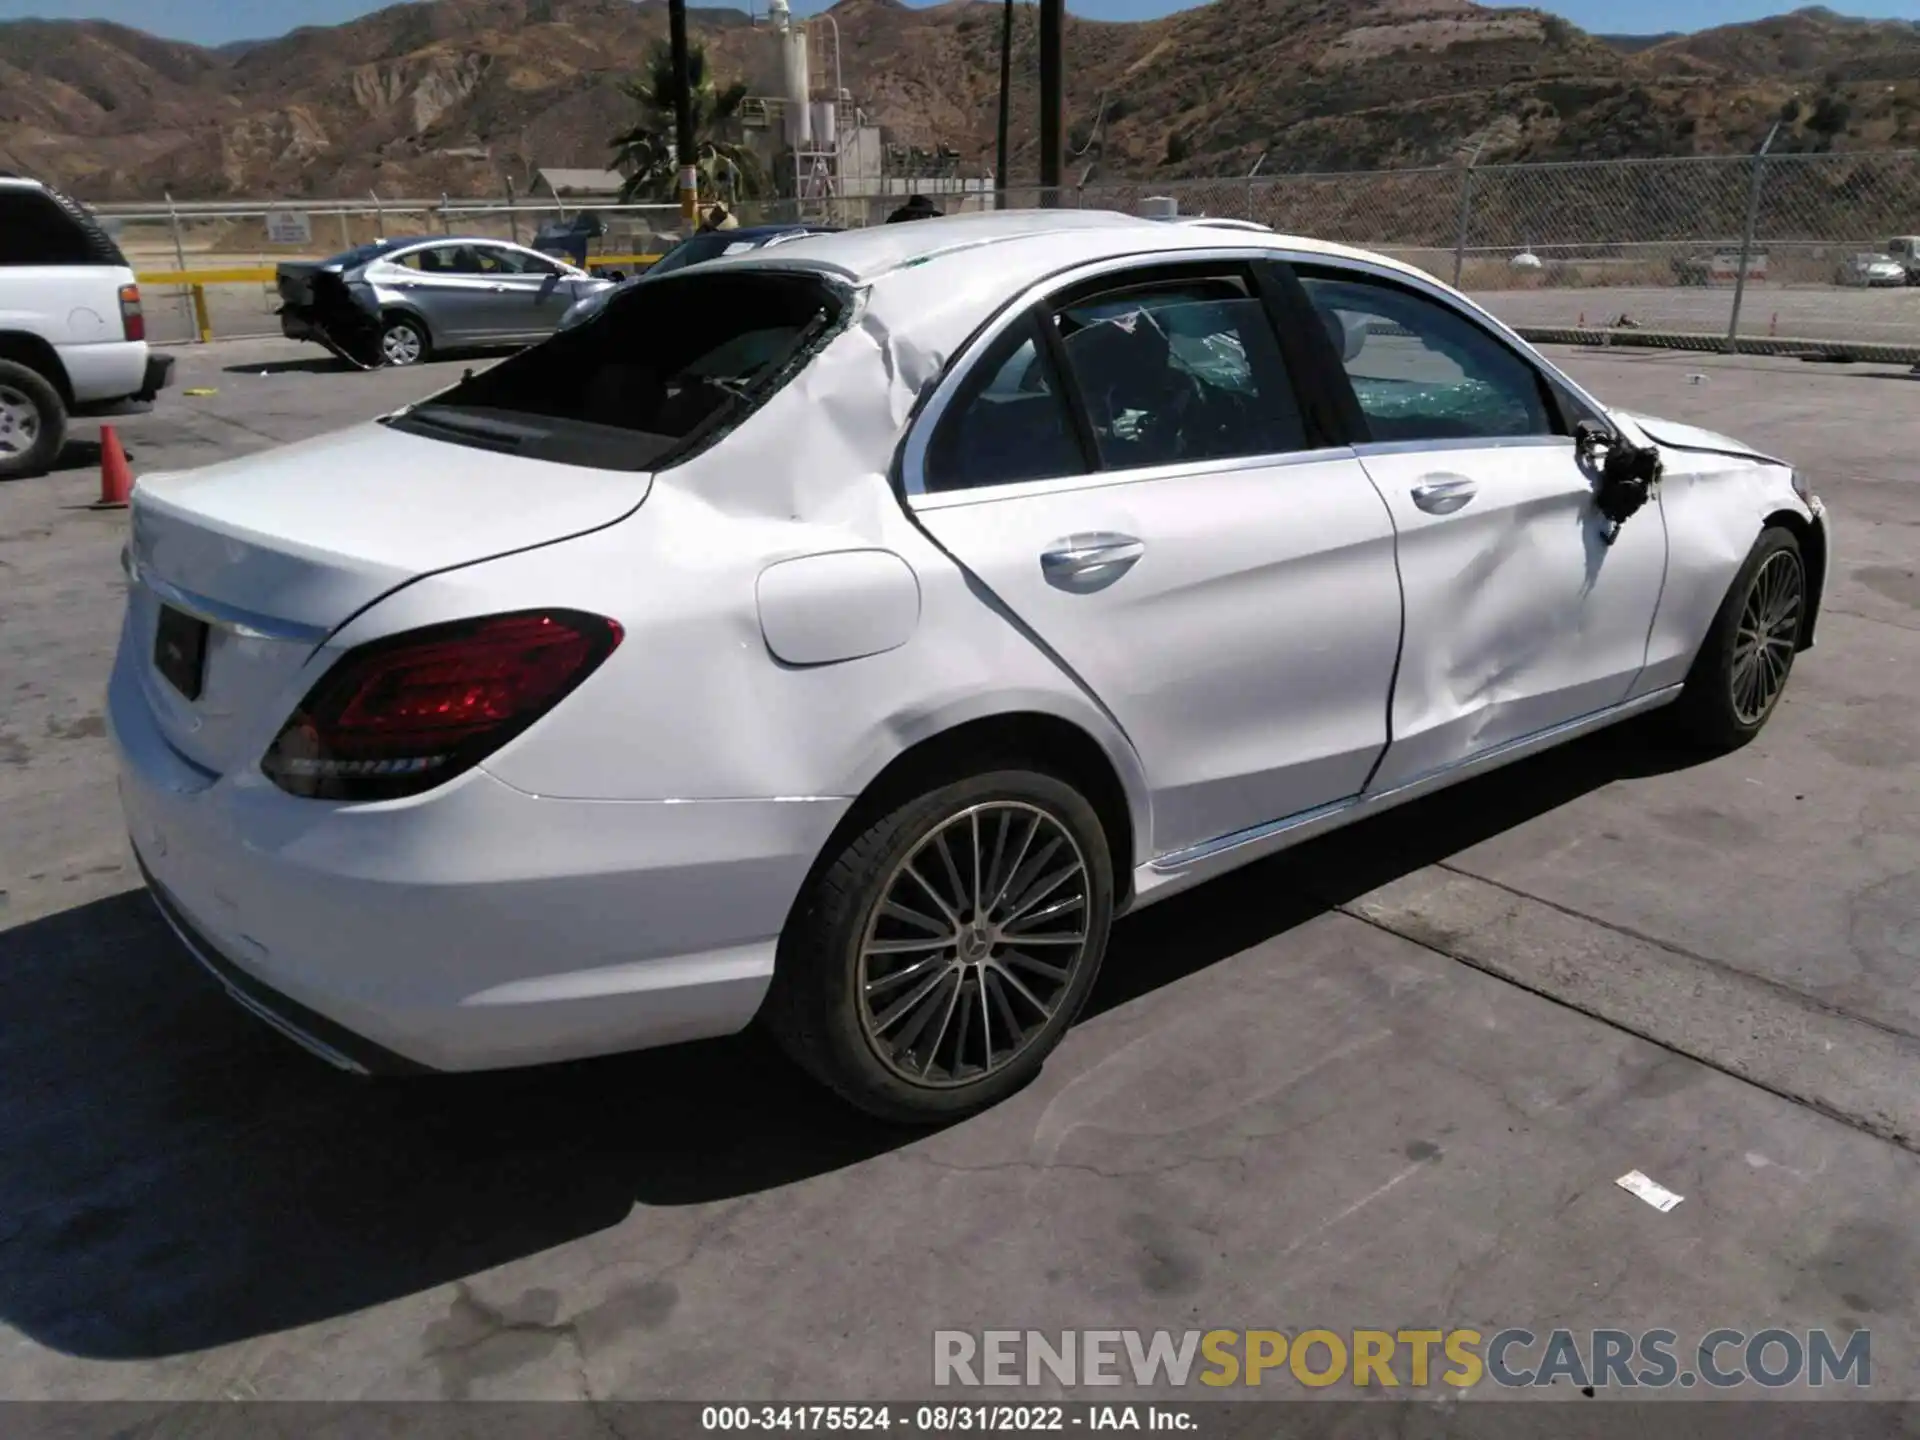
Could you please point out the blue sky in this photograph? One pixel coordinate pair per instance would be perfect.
(211, 22)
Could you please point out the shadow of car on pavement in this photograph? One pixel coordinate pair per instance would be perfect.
(174, 1175)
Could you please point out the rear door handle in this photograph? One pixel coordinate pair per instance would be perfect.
(1443, 494)
(1083, 563)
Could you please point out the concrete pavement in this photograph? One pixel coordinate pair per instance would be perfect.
(1388, 1080)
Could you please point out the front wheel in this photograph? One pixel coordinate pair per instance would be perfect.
(942, 953)
(1741, 671)
(403, 341)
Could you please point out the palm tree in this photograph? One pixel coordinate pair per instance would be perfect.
(645, 152)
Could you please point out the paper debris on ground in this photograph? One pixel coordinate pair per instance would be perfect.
(1658, 1196)
(200, 390)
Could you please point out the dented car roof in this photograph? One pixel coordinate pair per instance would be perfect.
(939, 279)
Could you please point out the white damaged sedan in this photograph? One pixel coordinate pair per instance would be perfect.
(840, 636)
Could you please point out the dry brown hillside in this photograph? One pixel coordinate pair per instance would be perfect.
(457, 95)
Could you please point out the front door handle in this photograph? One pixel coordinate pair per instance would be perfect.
(1083, 563)
(1443, 494)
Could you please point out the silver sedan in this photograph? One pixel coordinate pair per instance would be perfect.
(446, 293)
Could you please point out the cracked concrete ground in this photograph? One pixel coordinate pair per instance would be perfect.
(1387, 1080)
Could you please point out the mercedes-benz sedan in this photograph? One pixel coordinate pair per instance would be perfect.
(840, 636)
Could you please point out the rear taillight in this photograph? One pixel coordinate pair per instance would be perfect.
(133, 322)
(408, 713)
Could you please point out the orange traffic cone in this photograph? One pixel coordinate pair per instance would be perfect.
(116, 478)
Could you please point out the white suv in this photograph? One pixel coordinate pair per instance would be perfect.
(72, 338)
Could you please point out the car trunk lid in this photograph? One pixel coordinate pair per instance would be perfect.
(266, 556)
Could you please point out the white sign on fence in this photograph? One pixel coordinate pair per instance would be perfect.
(289, 227)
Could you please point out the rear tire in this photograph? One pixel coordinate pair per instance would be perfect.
(33, 422)
(921, 983)
(1741, 671)
(404, 341)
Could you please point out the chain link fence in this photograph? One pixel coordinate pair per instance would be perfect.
(1777, 248)
(1756, 249)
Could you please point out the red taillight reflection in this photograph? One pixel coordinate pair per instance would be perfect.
(133, 321)
(406, 714)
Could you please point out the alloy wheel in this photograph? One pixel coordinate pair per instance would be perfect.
(19, 421)
(1763, 644)
(974, 943)
(401, 345)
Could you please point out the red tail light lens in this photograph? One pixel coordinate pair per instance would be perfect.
(405, 714)
(133, 321)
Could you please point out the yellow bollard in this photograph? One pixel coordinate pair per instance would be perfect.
(200, 319)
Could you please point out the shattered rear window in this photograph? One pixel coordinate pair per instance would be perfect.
(662, 370)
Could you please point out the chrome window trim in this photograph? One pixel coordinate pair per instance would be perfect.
(1465, 442)
(913, 456)
(1141, 475)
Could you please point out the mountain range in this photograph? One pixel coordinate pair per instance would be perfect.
(459, 96)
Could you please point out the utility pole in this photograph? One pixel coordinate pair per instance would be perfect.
(1466, 213)
(1746, 234)
(1000, 160)
(1053, 85)
(683, 113)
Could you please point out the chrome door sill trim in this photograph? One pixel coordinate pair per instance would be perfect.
(1193, 862)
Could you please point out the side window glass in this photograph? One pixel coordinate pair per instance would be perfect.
(1007, 423)
(1182, 372)
(502, 262)
(437, 260)
(33, 231)
(1423, 371)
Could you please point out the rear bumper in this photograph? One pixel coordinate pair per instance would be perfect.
(308, 1029)
(474, 928)
(158, 377)
(100, 374)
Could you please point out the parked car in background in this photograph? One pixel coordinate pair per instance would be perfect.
(1719, 267)
(1906, 249)
(438, 293)
(706, 245)
(73, 339)
(1872, 270)
(570, 239)
(842, 635)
